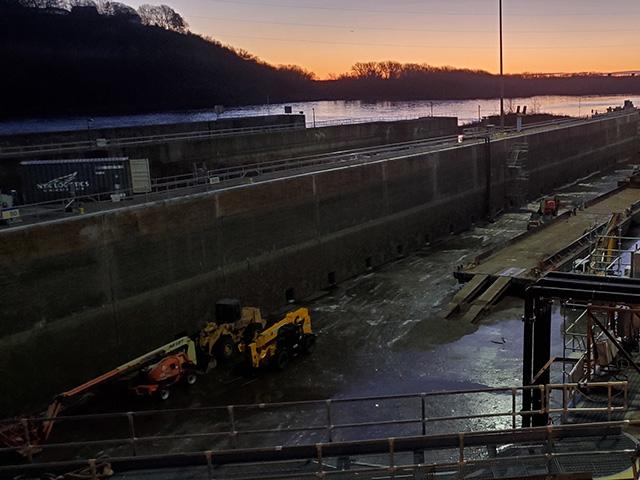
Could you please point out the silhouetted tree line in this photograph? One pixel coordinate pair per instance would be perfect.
(395, 81)
(155, 15)
(84, 57)
(91, 57)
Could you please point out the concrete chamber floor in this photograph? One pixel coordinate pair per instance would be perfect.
(384, 333)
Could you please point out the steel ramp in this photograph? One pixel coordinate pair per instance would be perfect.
(467, 293)
(489, 297)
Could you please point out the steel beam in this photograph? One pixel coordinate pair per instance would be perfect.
(541, 354)
(327, 450)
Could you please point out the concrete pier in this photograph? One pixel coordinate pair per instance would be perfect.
(522, 259)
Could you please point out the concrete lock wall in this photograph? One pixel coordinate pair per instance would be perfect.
(91, 133)
(80, 296)
(176, 157)
(179, 157)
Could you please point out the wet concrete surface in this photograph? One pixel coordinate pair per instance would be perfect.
(379, 334)
(383, 333)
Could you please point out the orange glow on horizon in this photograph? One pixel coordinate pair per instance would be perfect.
(328, 37)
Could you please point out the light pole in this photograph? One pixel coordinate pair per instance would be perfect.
(579, 106)
(501, 72)
(89, 122)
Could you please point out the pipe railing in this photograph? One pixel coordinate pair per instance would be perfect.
(391, 461)
(230, 419)
(98, 143)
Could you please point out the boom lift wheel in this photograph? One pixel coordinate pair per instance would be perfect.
(164, 394)
(192, 378)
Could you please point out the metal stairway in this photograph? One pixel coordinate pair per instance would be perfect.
(517, 175)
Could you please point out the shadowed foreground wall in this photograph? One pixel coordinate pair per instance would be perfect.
(80, 296)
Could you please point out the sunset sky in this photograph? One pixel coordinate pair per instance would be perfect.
(328, 36)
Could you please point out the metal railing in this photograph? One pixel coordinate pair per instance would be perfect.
(316, 421)
(209, 180)
(612, 261)
(335, 122)
(358, 155)
(543, 448)
(205, 181)
(98, 143)
(549, 124)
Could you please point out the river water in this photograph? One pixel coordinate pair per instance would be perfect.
(323, 113)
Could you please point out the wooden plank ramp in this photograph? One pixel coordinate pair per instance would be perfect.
(488, 298)
(467, 293)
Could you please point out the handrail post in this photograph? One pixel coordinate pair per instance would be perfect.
(550, 444)
(208, 456)
(232, 426)
(329, 421)
(392, 460)
(27, 437)
(132, 433)
(609, 401)
(319, 456)
(514, 393)
(424, 413)
(626, 396)
(92, 469)
(461, 455)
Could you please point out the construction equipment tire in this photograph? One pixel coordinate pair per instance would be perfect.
(192, 378)
(225, 348)
(164, 394)
(282, 360)
(308, 343)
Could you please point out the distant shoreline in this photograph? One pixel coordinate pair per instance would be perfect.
(330, 112)
(106, 113)
(74, 60)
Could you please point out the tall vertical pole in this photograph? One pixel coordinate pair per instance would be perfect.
(487, 157)
(541, 356)
(527, 356)
(501, 72)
